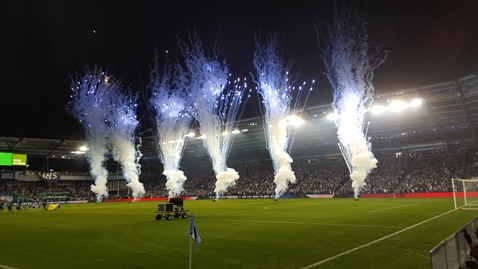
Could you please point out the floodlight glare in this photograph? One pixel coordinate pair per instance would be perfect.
(84, 148)
(416, 102)
(191, 134)
(235, 131)
(331, 116)
(397, 106)
(295, 120)
(377, 109)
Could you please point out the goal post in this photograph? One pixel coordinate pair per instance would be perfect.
(465, 193)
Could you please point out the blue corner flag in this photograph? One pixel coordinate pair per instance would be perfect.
(193, 232)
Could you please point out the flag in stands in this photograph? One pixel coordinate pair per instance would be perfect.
(193, 232)
(53, 207)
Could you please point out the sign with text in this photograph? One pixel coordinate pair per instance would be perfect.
(19, 159)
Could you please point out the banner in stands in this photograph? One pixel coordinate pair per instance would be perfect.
(5, 197)
(27, 176)
(6, 176)
(48, 177)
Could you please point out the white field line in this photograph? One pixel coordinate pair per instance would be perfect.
(388, 208)
(6, 267)
(374, 241)
(311, 223)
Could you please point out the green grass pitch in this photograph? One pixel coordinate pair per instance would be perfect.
(242, 233)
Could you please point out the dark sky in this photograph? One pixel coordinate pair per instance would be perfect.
(42, 43)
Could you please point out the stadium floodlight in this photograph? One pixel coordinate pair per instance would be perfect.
(332, 116)
(397, 105)
(416, 102)
(294, 120)
(235, 131)
(377, 109)
(84, 148)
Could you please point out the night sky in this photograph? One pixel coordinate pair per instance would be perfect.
(43, 43)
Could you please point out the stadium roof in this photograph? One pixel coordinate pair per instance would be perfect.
(449, 112)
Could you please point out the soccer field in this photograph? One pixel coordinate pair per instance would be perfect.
(242, 233)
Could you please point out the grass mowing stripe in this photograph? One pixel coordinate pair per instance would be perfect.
(375, 241)
(271, 207)
(311, 223)
(393, 207)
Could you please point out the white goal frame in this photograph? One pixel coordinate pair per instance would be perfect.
(455, 183)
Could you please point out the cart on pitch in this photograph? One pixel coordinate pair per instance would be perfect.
(174, 208)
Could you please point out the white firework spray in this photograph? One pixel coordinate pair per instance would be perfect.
(109, 119)
(218, 105)
(170, 103)
(87, 106)
(350, 71)
(122, 129)
(277, 93)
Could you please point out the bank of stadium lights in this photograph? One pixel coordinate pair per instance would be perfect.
(190, 134)
(394, 106)
(81, 150)
(225, 133)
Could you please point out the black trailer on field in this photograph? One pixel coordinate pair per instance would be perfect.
(174, 208)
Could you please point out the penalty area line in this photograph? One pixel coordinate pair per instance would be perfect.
(374, 241)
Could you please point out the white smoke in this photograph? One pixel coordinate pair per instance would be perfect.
(350, 71)
(170, 103)
(277, 93)
(218, 106)
(122, 132)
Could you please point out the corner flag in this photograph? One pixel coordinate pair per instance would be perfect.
(193, 232)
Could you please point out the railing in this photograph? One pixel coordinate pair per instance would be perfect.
(452, 252)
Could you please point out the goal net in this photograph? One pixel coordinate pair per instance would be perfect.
(465, 193)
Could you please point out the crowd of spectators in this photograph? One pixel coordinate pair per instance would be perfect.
(393, 175)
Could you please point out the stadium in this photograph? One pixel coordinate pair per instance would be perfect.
(380, 170)
(421, 145)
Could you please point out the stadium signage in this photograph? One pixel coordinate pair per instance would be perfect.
(49, 175)
(7, 176)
